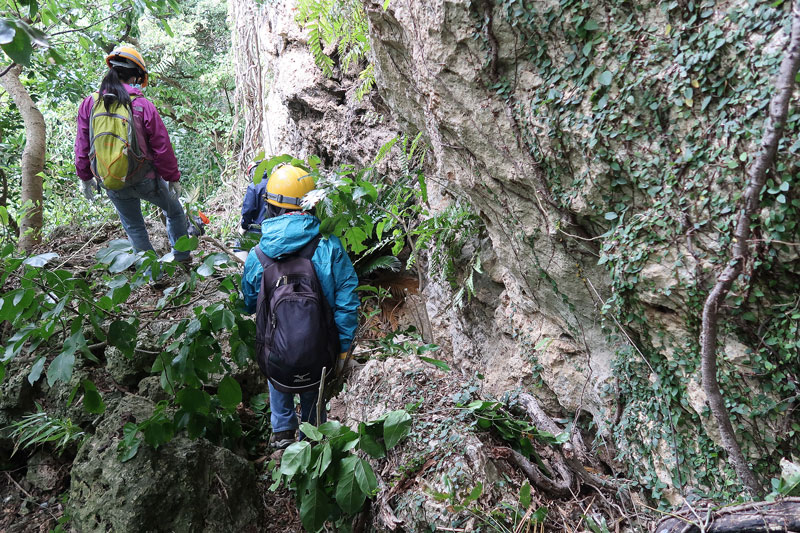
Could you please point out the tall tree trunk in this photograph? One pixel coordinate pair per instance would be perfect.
(757, 173)
(31, 221)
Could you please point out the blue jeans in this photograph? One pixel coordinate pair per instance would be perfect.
(282, 413)
(128, 203)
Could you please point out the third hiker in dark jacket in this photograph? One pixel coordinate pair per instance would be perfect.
(286, 230)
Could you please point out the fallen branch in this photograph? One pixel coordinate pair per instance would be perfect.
(773, 132)
(756, 517)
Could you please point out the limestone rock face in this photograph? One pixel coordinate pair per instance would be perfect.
(541, 319)
(183, 486)
(305, 113)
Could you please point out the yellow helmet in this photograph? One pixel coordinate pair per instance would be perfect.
(287, 185)
(124, 56)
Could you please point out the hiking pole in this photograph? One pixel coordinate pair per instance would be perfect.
(320, 397)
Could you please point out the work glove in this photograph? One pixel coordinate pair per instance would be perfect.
(88, 189)
(175, 189)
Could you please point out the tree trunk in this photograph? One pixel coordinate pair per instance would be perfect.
(31, 220)
(759, 517)
(773, 131)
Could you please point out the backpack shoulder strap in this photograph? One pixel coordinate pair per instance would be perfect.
(308, 250)
(263, 258)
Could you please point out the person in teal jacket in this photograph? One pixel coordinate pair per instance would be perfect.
(285, 231)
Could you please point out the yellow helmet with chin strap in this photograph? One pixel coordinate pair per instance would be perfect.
(127, 56)
(287, 185)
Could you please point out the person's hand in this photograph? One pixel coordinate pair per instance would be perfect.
(175, 189)
(88, 188)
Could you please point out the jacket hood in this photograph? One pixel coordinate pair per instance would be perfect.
(287, 234)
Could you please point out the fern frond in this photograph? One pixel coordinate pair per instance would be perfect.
(367, 82)
(384, 262)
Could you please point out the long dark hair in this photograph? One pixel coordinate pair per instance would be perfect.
(112, 88)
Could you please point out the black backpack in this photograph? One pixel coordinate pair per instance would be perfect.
(296, 335)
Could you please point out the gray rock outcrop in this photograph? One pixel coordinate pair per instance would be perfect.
(183, 486)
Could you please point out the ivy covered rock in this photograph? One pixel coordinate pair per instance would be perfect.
(183, 486)
(605, 145)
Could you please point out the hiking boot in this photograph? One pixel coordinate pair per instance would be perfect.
(282, 439)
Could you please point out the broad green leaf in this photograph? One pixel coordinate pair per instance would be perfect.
(38, 38)
(61, 367)
(349, 494)
(36, 370)
(222, 319)
(19, 49)
(331, 428)
(323, 460)
(7, 30)
(2, 372)
(296, 458)
(355, 238)
(606, 77)
(186, 244)
(229, 393)
(315, 508)
(92, 401)
(40, 260)
(369, 440)
(395, 428)
(122, 261)
(194, 400)
(435, 362)
(311, 432)
(205, 270)
(120, 295)
(365, 477)
(158, 432)
(123, 335)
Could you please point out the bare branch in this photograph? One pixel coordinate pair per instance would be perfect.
(115, 14)
(5, 70)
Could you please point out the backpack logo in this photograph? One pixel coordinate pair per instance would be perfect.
(114, 151)
(296, 336)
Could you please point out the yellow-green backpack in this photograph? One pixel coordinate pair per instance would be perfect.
(114, 153)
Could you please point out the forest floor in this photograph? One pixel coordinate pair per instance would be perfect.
(33, 496)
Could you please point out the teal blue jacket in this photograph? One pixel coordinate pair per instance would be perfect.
(287, 234)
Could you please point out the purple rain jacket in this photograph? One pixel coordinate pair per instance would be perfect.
(150, 131)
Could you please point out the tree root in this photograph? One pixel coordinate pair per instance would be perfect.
(567, 461)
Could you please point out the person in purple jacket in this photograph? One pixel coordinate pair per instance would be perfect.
(126, 75)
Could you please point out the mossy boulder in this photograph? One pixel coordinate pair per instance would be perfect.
(183, 486)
